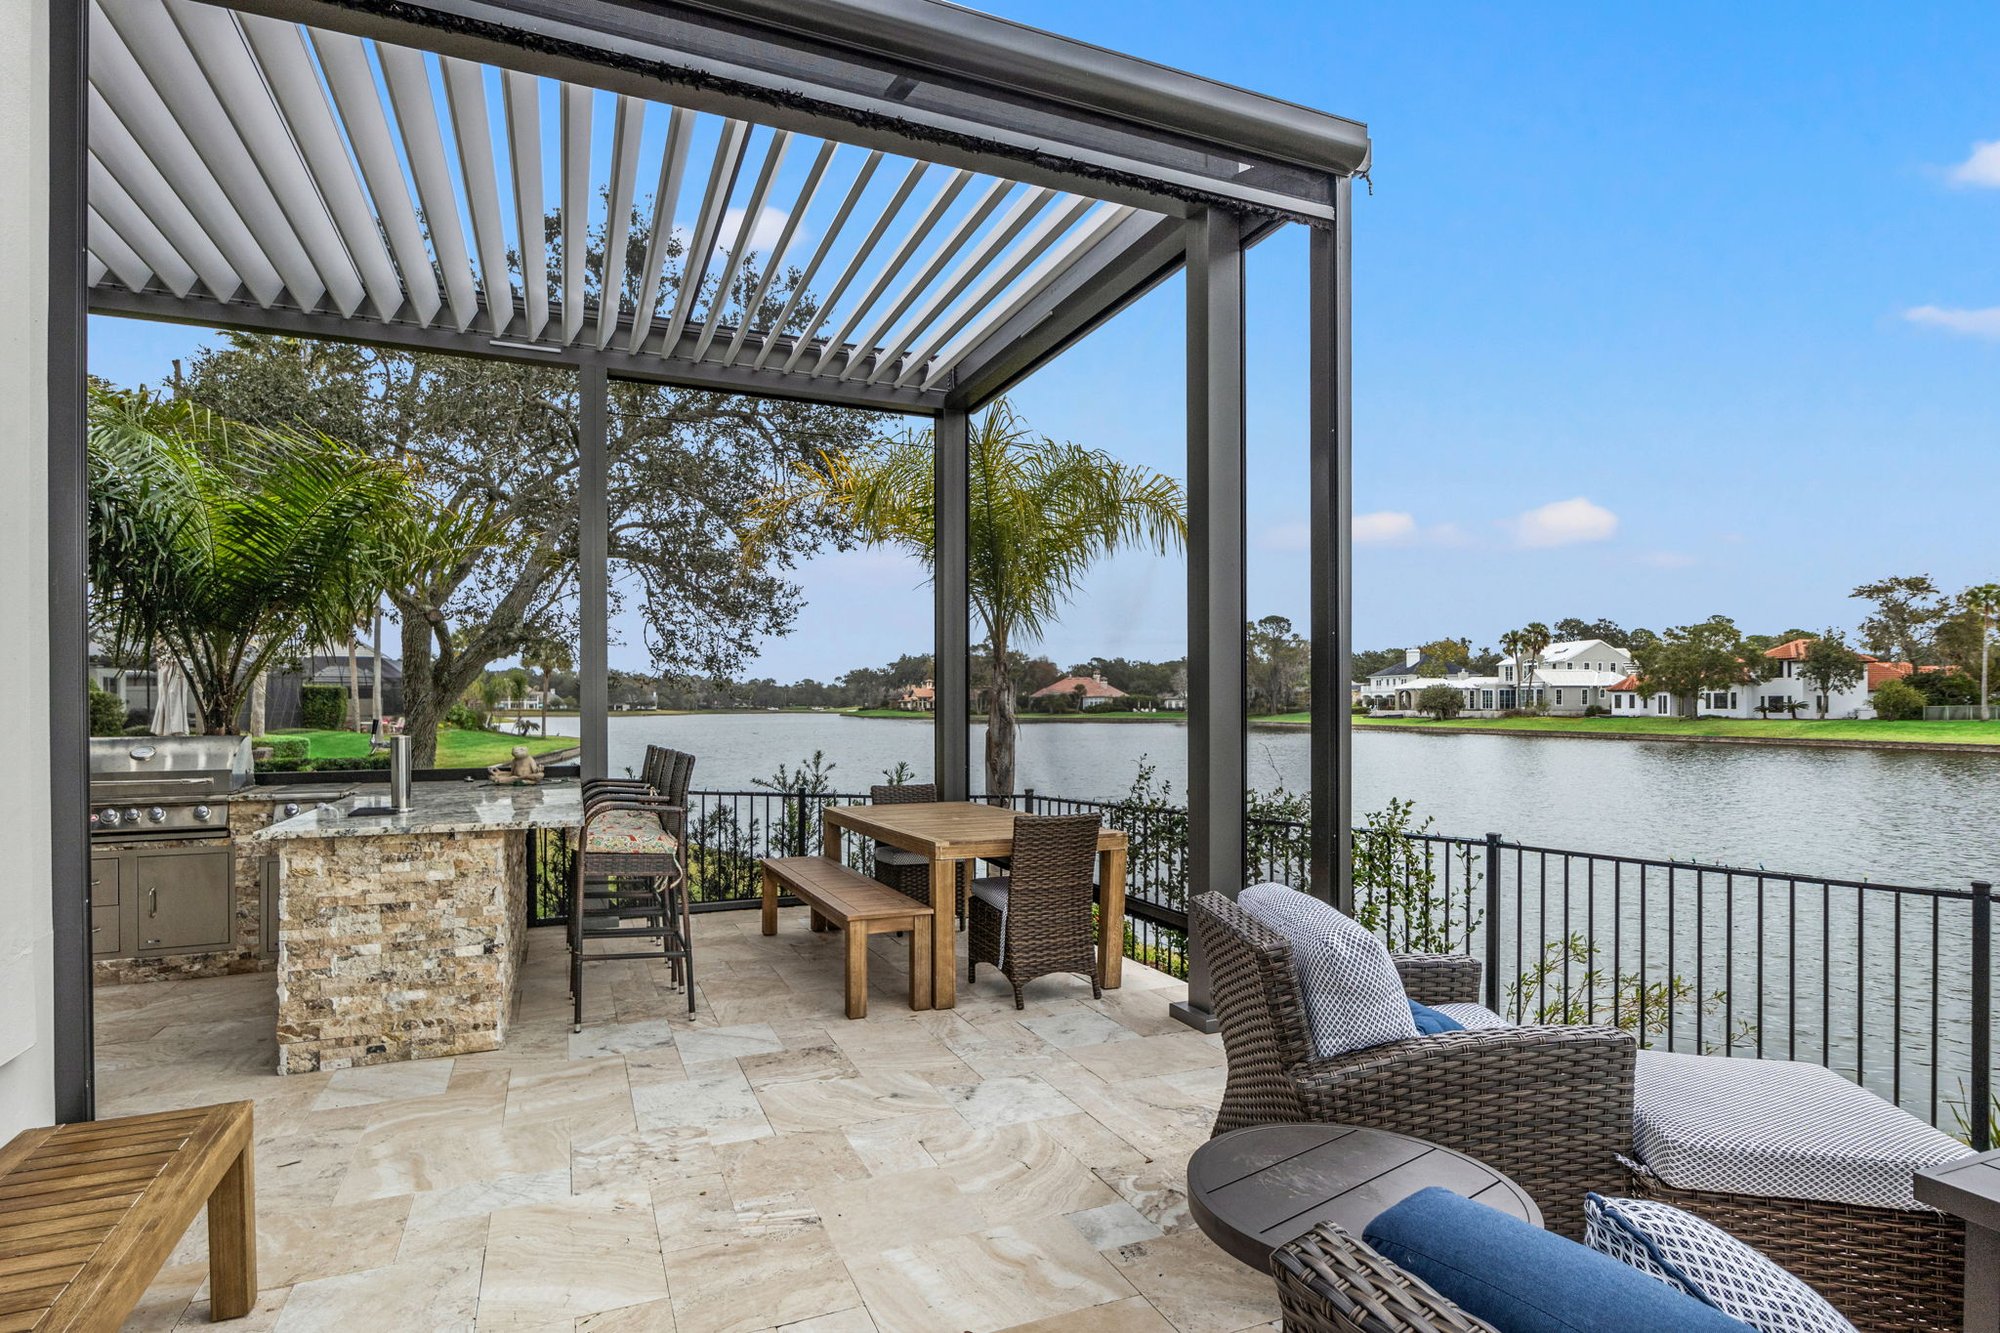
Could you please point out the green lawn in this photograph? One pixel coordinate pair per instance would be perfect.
(1936, 733)
(456, 749)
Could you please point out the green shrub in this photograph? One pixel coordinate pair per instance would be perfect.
(1597, 710)
(1941, 688)
(464, 717)
(1440, 701)
(1899, 701)
(349, 764)
(107, 713)
(284, 747)
(321, 707)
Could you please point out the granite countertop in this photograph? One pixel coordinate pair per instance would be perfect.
(440, 807)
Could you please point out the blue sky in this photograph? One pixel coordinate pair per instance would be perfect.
(1659, 313)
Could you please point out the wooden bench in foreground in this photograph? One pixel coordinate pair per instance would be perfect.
(861, 907)
(89, 1213)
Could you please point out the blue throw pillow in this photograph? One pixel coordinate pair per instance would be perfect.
(1431, 1021)
(1521, 1279)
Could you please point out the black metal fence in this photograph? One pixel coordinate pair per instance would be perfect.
(1889, 985)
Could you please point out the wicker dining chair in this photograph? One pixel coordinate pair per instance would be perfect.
(629, 877)
(1549, 1106)
(909, 873)
(1037, 920)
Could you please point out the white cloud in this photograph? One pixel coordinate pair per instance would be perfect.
(1981, 170)
(1563, 523)
(770, 223)
(1972, 323)
(1383, 528)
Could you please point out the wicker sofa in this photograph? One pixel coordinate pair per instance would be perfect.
(1331, 1282)
(1550, 1107)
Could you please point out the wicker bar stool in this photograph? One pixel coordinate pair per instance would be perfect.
(629, 878)
(909, 873)
(1037, 920)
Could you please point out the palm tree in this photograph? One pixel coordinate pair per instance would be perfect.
(550, 655)
(229, 544)
(1534, 641)
(1515, 645)
(1984, 602)
(1041, 512)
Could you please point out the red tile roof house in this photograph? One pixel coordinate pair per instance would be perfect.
(1786, 685)
(918, 698)
(1094, 690)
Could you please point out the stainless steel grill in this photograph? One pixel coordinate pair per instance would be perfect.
(165, 786)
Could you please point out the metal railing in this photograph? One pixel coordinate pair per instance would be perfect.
(1889, 985)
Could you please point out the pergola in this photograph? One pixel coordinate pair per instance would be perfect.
(963, 197)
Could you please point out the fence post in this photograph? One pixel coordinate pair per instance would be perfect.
(800, 838)
(1492, 922)
(1028, 800)
(1979, 1112)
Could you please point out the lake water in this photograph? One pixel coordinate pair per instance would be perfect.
(1896, 816)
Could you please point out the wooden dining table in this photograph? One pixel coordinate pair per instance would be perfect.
(947, 833)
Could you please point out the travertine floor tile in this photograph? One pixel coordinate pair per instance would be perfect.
(441, 1295)
(865, 1217)
(385, 1083)
(1149, 1057)
(783, 1165)
(546, 1262)
(1196, 1286)
(1135, 1314)
(988, 1280)
(1009, 1101)
(746, 1287)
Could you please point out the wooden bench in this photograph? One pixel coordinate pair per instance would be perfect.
(89, 1213)
(861, 907)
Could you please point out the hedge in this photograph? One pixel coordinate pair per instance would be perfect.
(322, 707)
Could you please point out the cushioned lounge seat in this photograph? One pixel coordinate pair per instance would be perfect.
(1777, 1128)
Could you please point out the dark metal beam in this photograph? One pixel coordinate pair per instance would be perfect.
(647, 366)
(1136, 257)
(951, 631)
(1215, 438)
(593, 560)
(908, 76)
(1331, 444)
(69, 713)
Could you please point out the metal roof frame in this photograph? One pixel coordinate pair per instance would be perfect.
(333, 168)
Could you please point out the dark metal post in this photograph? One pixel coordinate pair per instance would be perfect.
(1332, 457)
(1215, 431)
(1028, 801)
(69, 720)
(801, 840)
(593, 545)
(1492, 922)
(1979, 1111)
(951, 717)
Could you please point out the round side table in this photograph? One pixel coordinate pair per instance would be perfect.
(1251, 1190)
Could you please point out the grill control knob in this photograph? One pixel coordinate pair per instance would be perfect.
(201, 812)
(107, 818)
(132, 815)
(157, 814)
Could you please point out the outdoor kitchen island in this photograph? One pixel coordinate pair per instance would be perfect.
(401, 936)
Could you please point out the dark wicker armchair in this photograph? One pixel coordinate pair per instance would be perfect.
(1549, 1106)
(1331, 1282)
(909, 873)
(1037, 920)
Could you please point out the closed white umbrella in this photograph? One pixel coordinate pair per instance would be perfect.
(174, 699)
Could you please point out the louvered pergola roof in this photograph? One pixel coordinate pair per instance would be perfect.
(787, 207)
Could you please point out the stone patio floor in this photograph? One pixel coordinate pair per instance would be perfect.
(768, 1164)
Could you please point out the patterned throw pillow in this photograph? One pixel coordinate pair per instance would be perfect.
(1708, 1263)
(1353, 997)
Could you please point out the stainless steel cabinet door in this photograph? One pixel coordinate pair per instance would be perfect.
(183, 899)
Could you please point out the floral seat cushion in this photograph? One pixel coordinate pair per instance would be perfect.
(631, 832)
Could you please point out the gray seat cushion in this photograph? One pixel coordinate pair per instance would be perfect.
(1472, 1016)
(1353, 996)
(1779, 1129)
(885, 855)
(993, 892)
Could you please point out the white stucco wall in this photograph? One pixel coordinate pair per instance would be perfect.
(26, 971)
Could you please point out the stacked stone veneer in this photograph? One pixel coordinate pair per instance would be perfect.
(400, 947)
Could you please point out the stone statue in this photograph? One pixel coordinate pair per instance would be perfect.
(521, 769)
